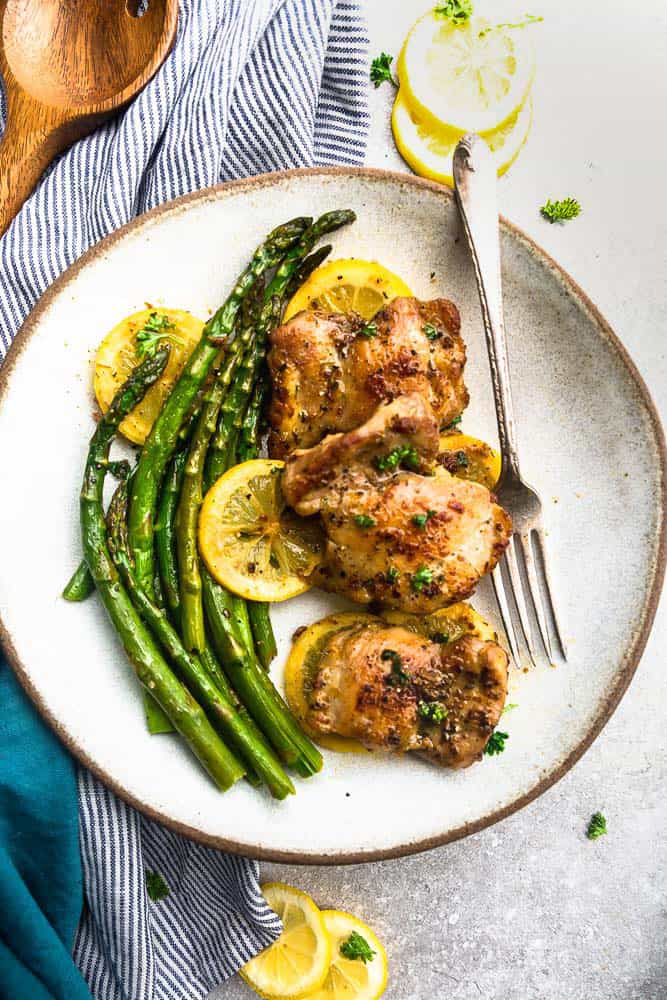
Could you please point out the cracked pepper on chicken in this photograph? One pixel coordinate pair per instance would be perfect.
(400, 531)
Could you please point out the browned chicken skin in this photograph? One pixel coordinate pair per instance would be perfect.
(394, 690)
(329, 373)
(404, 540)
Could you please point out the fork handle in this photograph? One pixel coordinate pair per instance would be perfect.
(475, 183)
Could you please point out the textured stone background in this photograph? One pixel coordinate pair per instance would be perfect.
(529, 909)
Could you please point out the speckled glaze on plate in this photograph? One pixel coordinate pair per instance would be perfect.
(590, 440)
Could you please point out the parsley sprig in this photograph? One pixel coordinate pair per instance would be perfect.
(597, 826)
(357, 949)
(381, 70)
(496, 743)
(456, 11)
(561, 211)
(156, 887)
(153, 332)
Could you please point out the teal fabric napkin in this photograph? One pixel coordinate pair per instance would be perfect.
(40, 869)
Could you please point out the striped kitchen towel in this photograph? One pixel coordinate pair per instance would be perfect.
(250, 86)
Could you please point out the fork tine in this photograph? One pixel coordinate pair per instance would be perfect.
(508, 625)
(535, 592)
(519, 597)
(539, 532)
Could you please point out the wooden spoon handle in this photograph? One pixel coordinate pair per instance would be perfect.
(26, 150)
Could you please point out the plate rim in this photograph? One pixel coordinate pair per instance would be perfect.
(633, 652)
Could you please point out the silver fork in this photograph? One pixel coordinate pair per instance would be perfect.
(525, 563)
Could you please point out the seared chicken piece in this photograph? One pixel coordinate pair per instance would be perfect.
(394, 690)
(409, 541)
(330, 372)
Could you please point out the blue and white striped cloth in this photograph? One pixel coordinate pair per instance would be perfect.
(250, 86)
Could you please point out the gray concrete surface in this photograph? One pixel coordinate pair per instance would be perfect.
(530, 909)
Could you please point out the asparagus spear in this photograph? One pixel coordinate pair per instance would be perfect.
(153, 672)
(245, 673)
(162, 439)
(253, 750)
(80, 585)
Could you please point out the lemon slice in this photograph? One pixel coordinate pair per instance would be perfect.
(465, 78)
(301, 668)
(469, 458)
(117, 356)
(344, 286)
(429, 153)
(352, 978)
(446, 625)
(298, 962)
(251, 543)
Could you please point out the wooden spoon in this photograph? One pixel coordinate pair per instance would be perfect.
(68, 65)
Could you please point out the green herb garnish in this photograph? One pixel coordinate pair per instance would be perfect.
(357, 949)
(432, 711)
(462, 460)
(561, 211)
(398, 676)
(597, 826)
(508, 708)
(421, 578)
(455, 423)
(440, 637)
(381, 70)
(156, 887)
(155, 329)
(369, 331)
(529, 19)
(401, 455)
(496, 743)
(392, 574)
(421, 519)
(431, 332)
(456, 11)
(364, 521)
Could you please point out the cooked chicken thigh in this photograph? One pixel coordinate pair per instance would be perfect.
(413, 541)
(330, 372)
(394, 690)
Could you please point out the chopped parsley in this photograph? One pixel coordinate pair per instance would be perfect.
(456, 11)
(357, 949)
(155, 329)
(364, 521)
(529, 19)
(381, 70)
(431, 711)
(403, 454)
(156, 887)
(369, 331)
(455, 423)
(509, 707)
(421, 519)
(496, 743)
(440, 637)
(392, 574)
(421, 578)
(431, 332)
(597, 826)
(561, 211)
(398, 676)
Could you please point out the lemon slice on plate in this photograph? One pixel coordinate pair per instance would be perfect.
(469, 458)
(358, 969)
(429, 152)
(301, 668)
(344, 286)
(119, 353)
(446, 625)
(467, 78)
(298, 962)
(251, 543)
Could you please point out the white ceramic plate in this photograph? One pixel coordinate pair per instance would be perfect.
(589, 438)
